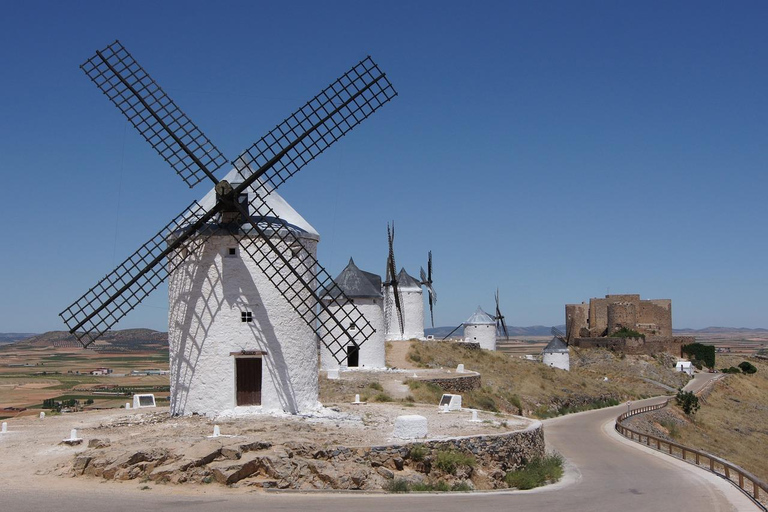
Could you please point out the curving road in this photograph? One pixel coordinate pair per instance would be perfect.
(605, 473)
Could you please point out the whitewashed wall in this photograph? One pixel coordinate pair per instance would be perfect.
(412, 303)
(560, 360)
(207, 294)
(484, 334)
(372, 352)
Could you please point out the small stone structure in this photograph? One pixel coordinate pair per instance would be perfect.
(591, 325)
(556, 355)
(453, 402)
(410, 426)
(142, 401)
(467, 382)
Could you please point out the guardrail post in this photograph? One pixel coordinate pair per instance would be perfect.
(741, 480)
(712, 464)
(658, 444)
(756, 487)
(670, 448)
(683, 453)
(727, 472)
(697, 459)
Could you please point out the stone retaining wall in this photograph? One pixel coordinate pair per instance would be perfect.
(457, 384)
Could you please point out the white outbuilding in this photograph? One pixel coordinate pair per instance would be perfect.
(481, 328)
(556, 355)
(684, 366)
(412, 304)
(236, 344)
(364, 289)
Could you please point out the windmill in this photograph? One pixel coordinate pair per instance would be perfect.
(404, 302)
(483, 328)
(426, 280)
(365, 292)
(241, 229)
(556, 354)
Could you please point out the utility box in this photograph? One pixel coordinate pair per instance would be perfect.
(143, 401)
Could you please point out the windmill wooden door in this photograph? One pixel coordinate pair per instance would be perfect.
(248, 379)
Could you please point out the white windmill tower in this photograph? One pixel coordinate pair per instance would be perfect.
(404, 299)
(243, 283)
(363, 289)
(556, 353)
(481, 328)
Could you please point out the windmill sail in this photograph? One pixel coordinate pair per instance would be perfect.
(265, 166)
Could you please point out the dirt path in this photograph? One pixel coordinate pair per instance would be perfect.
(397, 352)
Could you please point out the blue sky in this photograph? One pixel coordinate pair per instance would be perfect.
(557, 150)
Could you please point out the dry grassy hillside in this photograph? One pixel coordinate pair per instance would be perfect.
(519, 386)
(731, 423)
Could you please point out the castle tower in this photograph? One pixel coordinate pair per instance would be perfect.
(364, 288)
(236, 345)
(481, 328)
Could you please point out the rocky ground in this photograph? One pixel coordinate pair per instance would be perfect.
(330, 450)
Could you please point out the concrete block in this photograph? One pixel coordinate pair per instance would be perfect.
(410, 426)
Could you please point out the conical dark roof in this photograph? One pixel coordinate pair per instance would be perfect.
(404, 280)
(357, 283)
(555, 346)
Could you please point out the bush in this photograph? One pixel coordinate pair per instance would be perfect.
(382, 397)
(417, 452)
(747, 367)
(396, 485)
(449, 461)
(687, 401)
(704, 353)
(536, 473)
(376, 386)
(626, 333)
(732, 369)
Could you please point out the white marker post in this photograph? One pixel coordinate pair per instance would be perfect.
(216, 431)
(5, 427)
(629, 405)
(42, 415)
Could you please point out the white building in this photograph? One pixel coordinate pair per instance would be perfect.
(684, 366)
(481, 328)
(556, 355)
(364, 289)
(412, 304)
(235, 343)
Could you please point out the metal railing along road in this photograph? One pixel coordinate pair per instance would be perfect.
(748, 483)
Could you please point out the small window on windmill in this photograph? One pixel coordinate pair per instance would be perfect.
(352, 326)
(246, 316)
(232, 251)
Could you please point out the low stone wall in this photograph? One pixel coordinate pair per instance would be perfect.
(299, 465)
(457, 384)
(635, 346)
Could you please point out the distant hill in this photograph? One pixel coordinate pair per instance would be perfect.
(534, 330)
(722, 330)
(11, 337)
(126, 339)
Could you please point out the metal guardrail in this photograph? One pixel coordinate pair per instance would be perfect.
(748, 483)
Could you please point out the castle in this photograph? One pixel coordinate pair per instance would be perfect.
(591, 325)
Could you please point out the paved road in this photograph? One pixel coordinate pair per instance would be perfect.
(608, 474)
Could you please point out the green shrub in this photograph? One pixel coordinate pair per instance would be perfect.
(376, 386)
(417, 452)
(747, 367)
(537, 472)
(382, 397)
(396, 485)
(449, 461)
(671, 426)
(461, 487)
(732, 369)
(687, 401)
(626, 333)
(704, 353)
